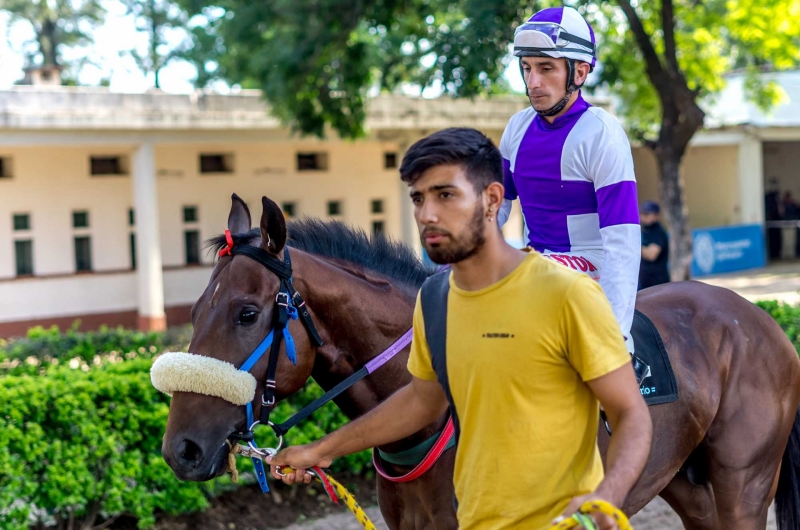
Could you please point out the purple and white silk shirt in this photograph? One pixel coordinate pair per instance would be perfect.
(575, 182)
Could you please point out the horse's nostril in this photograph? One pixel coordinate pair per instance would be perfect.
(189, 452)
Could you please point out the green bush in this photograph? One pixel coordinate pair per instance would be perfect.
(43, 348)
(81, 439)
(86, 445)
(787, 317)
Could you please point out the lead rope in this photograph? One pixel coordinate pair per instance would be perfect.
(333, 489)
(582, 519)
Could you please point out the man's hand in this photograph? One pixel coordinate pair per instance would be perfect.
(630, 421)
(405, 412)
(604, 522)
(300, 458)
(651, 252)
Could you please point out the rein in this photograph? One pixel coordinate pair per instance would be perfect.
(290, 305)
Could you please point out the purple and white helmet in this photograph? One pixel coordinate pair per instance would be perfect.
(559, 32)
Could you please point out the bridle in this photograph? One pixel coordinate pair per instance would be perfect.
(289, 305)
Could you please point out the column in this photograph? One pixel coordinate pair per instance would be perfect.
(751, 180)
(408, 224)
(149, 274)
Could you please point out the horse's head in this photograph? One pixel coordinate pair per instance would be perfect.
(231, 319)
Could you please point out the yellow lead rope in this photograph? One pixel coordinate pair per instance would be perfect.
(582, 519)
(348, 498)
(341, 491)
(579, 519)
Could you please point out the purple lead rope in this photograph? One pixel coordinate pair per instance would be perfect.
(390, 352)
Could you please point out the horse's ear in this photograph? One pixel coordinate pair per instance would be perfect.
(273, 227)
(239, 219)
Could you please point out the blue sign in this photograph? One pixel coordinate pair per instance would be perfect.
(727, 249)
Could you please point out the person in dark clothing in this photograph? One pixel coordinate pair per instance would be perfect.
(791, 212)
(772, 212)
(655, 247)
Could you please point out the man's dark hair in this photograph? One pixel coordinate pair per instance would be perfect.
(457, 145)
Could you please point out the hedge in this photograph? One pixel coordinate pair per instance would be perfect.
(787, 316)
(80, 437)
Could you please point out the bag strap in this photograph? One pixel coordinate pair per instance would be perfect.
(433, 299)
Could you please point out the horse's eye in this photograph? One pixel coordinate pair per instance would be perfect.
(247, 316)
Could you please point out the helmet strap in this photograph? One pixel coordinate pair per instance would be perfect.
(571, 88)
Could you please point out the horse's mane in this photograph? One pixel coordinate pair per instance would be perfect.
(336, 240)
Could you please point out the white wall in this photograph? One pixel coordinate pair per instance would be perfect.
(41, 298)
(50, 183)
(184, 286)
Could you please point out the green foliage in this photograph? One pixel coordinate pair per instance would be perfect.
(86, 444)
(82, 437)
(317, 60)
(712, 38)
(46, 347)
(161, 20)
(57, 23)
(787, 316)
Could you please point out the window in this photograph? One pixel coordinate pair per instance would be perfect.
(312, 161)
(334, 208)
(131, 217)
(389, 160)
(108, 165)
(377, 227)
(80, 219)
(22, 221)
(377, 206)
(289, 209)
(5, 168)
(190, 214)
(23, 251)
(83, 253)
(132, 241)
(192, 246)
(216, 163)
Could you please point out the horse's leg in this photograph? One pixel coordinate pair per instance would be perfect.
(746, 441)
(694, 504)
(743, 465)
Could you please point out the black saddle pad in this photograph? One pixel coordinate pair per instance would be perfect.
(651, 363)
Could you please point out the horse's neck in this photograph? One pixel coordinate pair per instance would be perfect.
(360, 315)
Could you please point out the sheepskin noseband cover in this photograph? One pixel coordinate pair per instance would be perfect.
(187, 372)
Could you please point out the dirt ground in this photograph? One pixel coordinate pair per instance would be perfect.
(656, 516)
(309, 509)
(248, 509)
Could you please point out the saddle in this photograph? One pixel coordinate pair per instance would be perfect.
(651, 363)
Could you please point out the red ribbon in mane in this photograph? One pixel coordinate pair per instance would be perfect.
(226, 250)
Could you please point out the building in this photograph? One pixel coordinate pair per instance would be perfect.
(741, 153)
(106, 198)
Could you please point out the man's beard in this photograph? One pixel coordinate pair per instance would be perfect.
(462, 248)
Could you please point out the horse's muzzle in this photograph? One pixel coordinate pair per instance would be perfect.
(191, 461)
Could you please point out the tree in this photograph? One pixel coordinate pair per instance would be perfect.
(56, 23)
(316, 60)
(160, 19)
(682, 49)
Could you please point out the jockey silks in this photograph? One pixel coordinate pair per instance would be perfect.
(575, 182)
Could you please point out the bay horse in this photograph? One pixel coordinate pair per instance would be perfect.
(720, 453)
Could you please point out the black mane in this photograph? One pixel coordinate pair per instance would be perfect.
(336, 240)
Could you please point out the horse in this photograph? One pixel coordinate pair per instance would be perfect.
(719, 455)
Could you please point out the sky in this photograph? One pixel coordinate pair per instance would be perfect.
(111, 61)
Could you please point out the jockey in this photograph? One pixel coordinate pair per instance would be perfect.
(570, 164)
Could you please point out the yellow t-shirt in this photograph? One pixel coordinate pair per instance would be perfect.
(518, 355)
